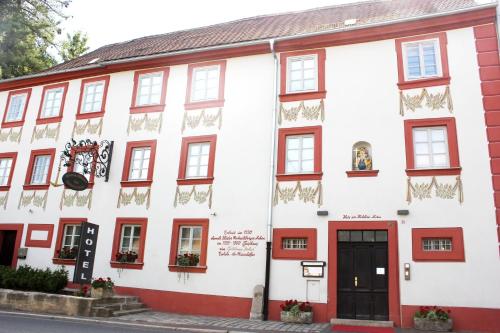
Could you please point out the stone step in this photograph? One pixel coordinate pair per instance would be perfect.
(132, 306)
(101, 312)
(357, 322)
(129, 312)
(117, 300)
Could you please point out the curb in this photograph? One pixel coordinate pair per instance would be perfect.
(113, 322)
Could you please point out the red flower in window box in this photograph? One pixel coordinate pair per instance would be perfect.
(67, 253)
(188, 259)
(126, 257)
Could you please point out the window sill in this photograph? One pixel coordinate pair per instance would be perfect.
(42, 121)
(195, 181)
(4, 188)
(141, 183)
(423, 83)
(11, 124)
(360, 173)
(127, 265)
(204, 104)
(294, 255)
(434, 172)
(147, 108)
(301, 96)
(438, 256)
(67, 262)
(36, 187)
(89, 115)
(301, 176)
(187, 269)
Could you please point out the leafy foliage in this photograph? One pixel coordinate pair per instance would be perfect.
(103, 283)
(432, 313)
(188, 259)
(74, 46)
(33, 279)
(296, 307)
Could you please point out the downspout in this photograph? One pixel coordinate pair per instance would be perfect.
(265, 308)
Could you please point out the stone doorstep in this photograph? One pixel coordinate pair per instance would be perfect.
(357, 322)
(118, 306)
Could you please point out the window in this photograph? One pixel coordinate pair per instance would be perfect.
(431, 147)
(15, 110)
(129, 243)
(294, 243)
(93, 94)
(39, 169)
(39, 235)
(197, 159)
(52, 104)
(189, 236)
(438, 244)
(71, 237)
(422, 61)
(139, 163)
(7, 164)
(206, 85)
(302, 75)
(67, 241)
(150, 89)
(299, 153)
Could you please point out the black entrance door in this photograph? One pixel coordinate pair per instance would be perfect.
(362, 275)
(7, 245)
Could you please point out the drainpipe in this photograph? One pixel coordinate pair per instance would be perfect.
(265, 309)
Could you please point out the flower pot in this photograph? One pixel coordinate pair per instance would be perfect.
(101, 293)
(300, 318)
(425, 324)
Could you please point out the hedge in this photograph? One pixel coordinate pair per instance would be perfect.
(33, 279)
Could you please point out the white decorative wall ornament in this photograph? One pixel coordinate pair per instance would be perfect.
(144, 122)
(3, 199)
(305, 194)
(193, 118)
(444, 191)
(86, 126)
(33, 198)
(308, 112)
(200, 197)
(433, 101)
(11, 134)
(70, 198)
(140, 198)
(46, 132)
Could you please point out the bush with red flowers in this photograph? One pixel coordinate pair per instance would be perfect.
(126, 257)
(67, 253)
(432, 313)
(102, 283)
(188, 259)
(295, 306)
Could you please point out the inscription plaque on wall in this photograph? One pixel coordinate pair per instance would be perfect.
(237, 243)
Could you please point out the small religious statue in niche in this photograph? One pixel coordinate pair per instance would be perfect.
(362, 156)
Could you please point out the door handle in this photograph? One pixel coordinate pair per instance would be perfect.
(355, 281)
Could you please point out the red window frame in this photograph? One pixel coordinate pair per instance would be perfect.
(182, 180)
(59, 239)
(126, 165)
(155, 107)
(27, 181)
(307, 254)
(444, 79)
(282, 134)
(451, 130)
(300, 96)
(120, 222)
(99, 113)
(13, 156)
(56, 119)
(8, 124)
(174, 244)
(37, 242)
(219, 102)
(457, 239)
(76, 150)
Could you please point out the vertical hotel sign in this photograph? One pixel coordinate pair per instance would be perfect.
(86, 253)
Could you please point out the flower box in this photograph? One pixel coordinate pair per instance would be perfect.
(425, 324)
(297, 318)
(101, 293)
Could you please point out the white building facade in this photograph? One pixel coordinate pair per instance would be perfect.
(368, 152)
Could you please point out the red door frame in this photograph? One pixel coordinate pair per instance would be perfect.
(393, 263)
(19, 236)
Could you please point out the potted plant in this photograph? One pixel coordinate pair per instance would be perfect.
(188, 259)
(126, 257)
(102, 288)
(67, 253)
(293, 311)
(432, 319)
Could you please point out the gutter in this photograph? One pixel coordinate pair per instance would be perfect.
(256, 42)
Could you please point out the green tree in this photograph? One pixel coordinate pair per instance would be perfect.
(27, 30)
(74, 46)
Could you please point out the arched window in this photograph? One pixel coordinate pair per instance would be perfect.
(362, 156)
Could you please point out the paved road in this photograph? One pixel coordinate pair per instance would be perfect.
(18, 323)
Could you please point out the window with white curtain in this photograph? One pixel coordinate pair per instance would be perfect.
(189, 240)
(299, 154)
(422, 59)
(130, 238)
(52, 103)
(5, 166)
(302, 73)
(16, 107)
(139, 163)
(93, 93)
(40, 170)
(197, 160)
(149, 89)
(430, 146)
(205, 83)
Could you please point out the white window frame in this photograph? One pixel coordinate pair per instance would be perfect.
(191, 239)
(93, 100)
(74, 236)
(199, 156)
(131, 238)
(294, 243)
(20, 112)
(300, 150)
(5, 170)
(289, 73)
(437, 53)
(45, 171)
(43, 114)
(429, 144)
(150, 92)
(206, 69)
(144, 169)
(437, 244)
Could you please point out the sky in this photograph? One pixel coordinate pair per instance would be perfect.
(113, 21)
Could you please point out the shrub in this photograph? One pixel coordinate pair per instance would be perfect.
(103, 283)
(296, 307)
(33, 279)
(432, 313)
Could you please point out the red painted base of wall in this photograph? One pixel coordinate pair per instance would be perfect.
(319, 309)
(464, 319)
